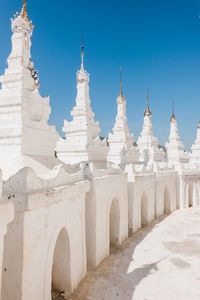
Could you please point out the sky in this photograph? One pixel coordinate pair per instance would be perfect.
(157, 43)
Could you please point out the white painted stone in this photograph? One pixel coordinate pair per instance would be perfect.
(166, 189)
(45, 210)
(121, 141)
(175, 148)
(141, 196)
(26, 139)
(6, 216)
(195, 155)
(147, 143)
(67, 216)
(106, 212)
(82, 141)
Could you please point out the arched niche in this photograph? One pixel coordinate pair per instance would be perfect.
(144, 209)
(61, 270)
(114, 222)
(167, 201)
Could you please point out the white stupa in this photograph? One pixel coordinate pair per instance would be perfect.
(25, 136)
(121, 141)
(195, 155)
(175, 148)
(82, 141)
(147, 143)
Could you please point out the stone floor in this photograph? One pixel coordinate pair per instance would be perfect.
(159, 262)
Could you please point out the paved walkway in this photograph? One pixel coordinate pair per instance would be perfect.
(159, 262)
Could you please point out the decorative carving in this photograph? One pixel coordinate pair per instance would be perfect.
(20, 23)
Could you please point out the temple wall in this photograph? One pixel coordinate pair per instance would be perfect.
(33, 266)
(141, 200)
(62, 220)
(106, 206)
(166, 193)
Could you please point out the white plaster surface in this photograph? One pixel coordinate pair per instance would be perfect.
(41, 213)
(148, 144)
(195, 155)
(66, 216)
(159, 262)
(121, 141)
(175, 148)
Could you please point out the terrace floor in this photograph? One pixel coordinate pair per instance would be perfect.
(159, 262)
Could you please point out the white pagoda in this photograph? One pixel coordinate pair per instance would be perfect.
(122, 150)
(175, 148)
(195, 155)
(147, 143)
(82, 142)
(26, 139)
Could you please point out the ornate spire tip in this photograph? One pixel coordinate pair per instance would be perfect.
(121, 90)
(23, 13)
(147, 110)
(82, 52)
(173, 118)
(121, 98)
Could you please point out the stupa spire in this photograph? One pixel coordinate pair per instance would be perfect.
(121, 141)
(20, 84)
(23, 12)
(82, 52)
(121, 98)
(173, 118)
(82, 141)
(175, 148)
(147, 143)
(147, 111)
(121, 90)
(21, 23)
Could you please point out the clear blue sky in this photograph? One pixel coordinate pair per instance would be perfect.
(157, 43)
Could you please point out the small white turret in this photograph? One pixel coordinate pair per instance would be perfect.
(147, 143)
(121, 141)
(195, 155)
(175, 148)
(82, 141)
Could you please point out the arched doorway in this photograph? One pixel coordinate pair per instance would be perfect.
(144, 210)
(61, 270)
(190, 194)
(166, 201)
(114, 222)
(186, 198)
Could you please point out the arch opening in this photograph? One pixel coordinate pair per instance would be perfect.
(114, 222)
(190, 194)
(166, 202)
(144, 210)
(61, 271)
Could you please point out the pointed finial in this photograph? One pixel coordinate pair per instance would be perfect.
(82, 52)
(121, 98)
(173, 119)
(23, 13)
(121, 91)
(147, 111)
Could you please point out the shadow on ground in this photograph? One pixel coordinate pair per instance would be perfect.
(105, 270)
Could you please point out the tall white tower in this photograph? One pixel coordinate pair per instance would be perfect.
(147, 143)
(26, 139)
(175, 148)
(121, 141)
(82, 142)
(24, 114)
